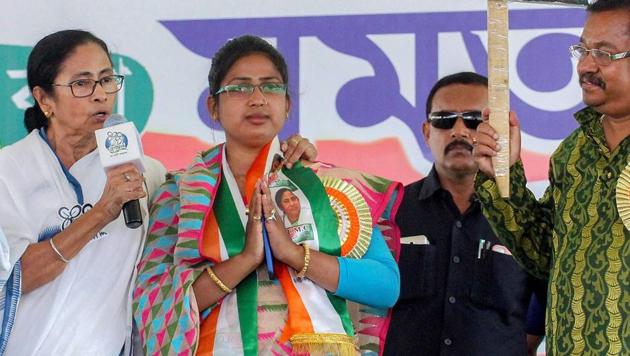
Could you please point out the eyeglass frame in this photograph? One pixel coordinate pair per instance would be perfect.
(100, 81)
(224, 88)
(611, 56)
(470, 123)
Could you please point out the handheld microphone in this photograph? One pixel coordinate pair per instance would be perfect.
(119, 143)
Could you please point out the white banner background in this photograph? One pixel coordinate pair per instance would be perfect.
(389, 146)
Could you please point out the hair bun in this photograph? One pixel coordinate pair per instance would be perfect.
(34, 118)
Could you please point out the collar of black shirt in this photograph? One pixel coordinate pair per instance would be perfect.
(431, 186)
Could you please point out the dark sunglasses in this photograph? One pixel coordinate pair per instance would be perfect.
(447, 119)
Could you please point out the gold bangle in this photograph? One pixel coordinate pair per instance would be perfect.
(217, 281)
(307, 259)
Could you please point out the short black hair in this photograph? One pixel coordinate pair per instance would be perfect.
(44, 63)
(607, 5)
(239, 47)
(600, 6)
(466, 78)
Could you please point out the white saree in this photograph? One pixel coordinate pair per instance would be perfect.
(86, 310)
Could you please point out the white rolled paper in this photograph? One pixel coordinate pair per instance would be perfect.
(499, 89)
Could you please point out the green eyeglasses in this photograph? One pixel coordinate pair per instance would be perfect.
(245, 90)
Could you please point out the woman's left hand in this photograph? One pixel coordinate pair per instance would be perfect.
(325, 268)
(282, 246)
(297, 147)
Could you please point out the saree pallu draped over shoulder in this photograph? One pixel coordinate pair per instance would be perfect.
(188, 232)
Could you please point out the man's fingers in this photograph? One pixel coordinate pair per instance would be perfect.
(303, 149)
(514, 119)
(481, 151)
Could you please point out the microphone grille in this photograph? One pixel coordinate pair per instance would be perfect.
(114, 119)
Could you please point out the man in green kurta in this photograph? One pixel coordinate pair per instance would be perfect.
(577, 233)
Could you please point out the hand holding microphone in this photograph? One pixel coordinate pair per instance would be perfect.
(121, 155)
(124, 186)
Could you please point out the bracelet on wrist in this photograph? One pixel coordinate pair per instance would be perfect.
(57, 252)
(217, 281)
(307, 260)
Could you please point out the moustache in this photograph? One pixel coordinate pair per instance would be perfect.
(591, 78)
(459, 143)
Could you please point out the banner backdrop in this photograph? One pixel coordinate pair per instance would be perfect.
(360, 71)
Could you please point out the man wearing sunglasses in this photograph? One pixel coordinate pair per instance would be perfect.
(462, 293)
(577, 233)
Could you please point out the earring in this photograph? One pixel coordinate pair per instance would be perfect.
(46, 113)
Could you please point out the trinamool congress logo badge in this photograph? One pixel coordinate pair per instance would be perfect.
(116, 143)
(135, 99)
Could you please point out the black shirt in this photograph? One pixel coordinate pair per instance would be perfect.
(455, 298)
